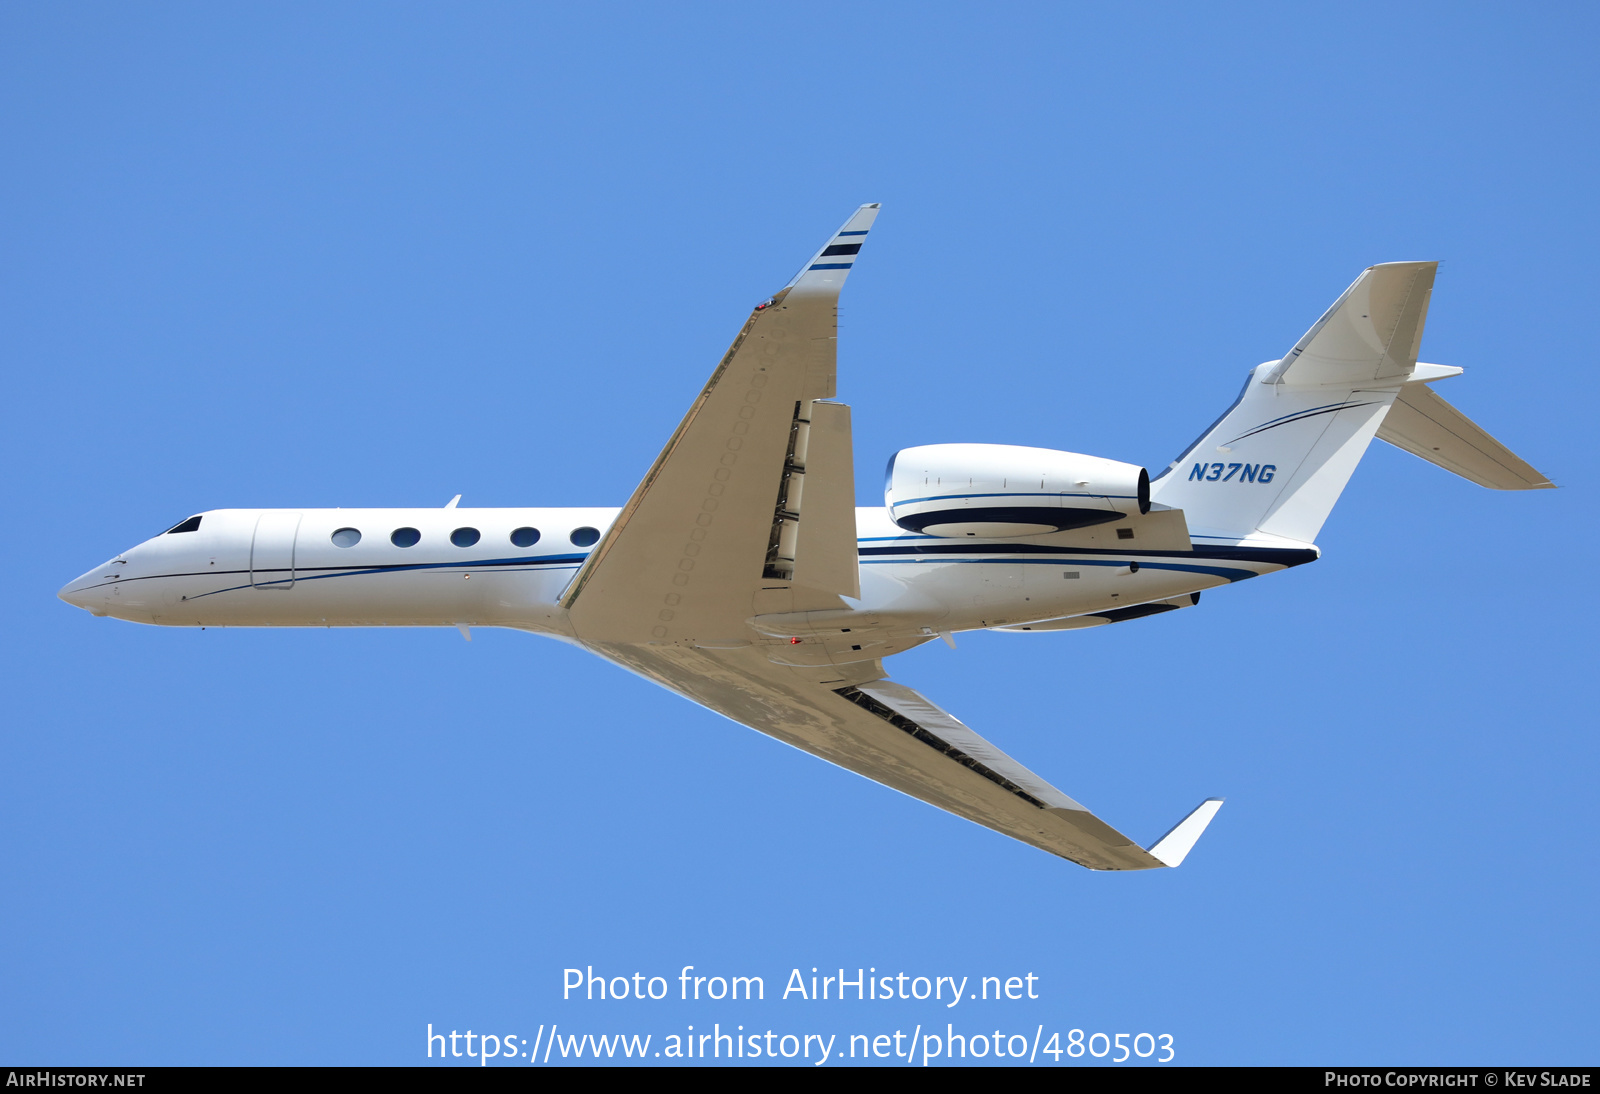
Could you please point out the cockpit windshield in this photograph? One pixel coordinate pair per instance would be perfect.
(190, 525)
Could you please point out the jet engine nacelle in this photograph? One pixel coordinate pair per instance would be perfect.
(998, 490)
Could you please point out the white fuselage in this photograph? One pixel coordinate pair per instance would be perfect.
(284, 568)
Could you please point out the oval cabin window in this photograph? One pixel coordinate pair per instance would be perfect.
(525, 537)
(465, 537)
(346, 537)
(405, 537)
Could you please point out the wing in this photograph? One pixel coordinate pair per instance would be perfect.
(750, 508)
(718, 577)
(895, 736)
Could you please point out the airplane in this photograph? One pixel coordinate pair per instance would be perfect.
(742, 575)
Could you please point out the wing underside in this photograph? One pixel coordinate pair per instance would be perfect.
(750, 508)
(893, 735)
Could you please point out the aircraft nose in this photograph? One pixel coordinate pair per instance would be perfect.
(73, 594)
(86, 592)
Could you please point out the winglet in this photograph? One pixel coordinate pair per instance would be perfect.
(828, 268)
(1173, 847)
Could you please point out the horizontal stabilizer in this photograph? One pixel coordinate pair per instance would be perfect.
(1425, 425)
(1174, 847)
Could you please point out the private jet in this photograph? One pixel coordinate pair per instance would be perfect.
(742, 575)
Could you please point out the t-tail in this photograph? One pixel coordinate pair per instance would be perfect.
(1270, 469)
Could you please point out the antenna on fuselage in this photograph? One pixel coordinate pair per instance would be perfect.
(451, 504)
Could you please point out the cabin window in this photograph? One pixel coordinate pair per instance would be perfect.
(584, 537)
(346, 537)
(190, 525)
(525, 537)
(405, 537)
(465, 537)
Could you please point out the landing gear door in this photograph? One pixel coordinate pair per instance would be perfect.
(272, 550)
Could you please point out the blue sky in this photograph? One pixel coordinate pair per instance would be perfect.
(380, 254)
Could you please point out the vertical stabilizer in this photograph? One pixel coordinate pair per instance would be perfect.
(1274, 464)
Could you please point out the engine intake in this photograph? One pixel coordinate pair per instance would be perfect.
(1001, 490)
